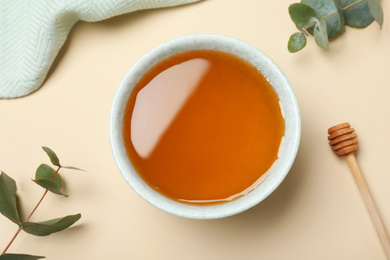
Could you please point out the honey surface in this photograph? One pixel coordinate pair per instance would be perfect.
(203, 126)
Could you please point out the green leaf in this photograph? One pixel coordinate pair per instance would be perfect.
(53, 157)
(8, 203)
(44, 171)
(340, 13)
(376, 11)
(296, 42)
(20, 257)
(44, 178)
(72, 168)
(335, 22)
(302, 15)
(357, 15)
(50, 186)
(48, 227)
(320, 34)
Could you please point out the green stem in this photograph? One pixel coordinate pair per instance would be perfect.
(328, 15)
(310, 25)
(28, 218)
(12, 240)
(353, 4)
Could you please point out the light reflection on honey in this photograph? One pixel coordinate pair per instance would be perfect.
(203, 127)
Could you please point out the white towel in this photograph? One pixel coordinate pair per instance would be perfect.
(33, 31)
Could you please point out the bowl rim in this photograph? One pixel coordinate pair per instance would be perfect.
(278, 80)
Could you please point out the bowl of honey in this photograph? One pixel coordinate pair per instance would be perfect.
(204, 126)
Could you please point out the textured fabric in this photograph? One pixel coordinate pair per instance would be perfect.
(33, 31)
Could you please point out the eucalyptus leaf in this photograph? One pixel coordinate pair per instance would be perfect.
(335, 22)
(72, 168)
(302, 15)
(8, 202)
(53, 157)
(20, 257)
(50, 186)
(296, 42)
(340, 13)
(320, 34)
(357, 15)
(48, 227)
(376, 11)
(44, 171)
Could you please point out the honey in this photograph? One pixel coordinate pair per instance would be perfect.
(203, 127)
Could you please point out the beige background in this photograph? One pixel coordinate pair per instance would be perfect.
(316, 213)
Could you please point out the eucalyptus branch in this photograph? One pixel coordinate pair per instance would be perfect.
(310, 17)
(12, 240)
(47, 178)
(28, 218)
(43, 196)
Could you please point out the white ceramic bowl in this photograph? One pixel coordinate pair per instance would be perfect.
(288, 103)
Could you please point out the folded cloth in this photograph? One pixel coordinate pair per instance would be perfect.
(33, 31)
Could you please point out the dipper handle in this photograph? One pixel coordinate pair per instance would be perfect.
(343, 141)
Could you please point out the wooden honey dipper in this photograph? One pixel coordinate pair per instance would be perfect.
(344, 141)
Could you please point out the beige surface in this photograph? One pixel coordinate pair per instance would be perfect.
(316, 213)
